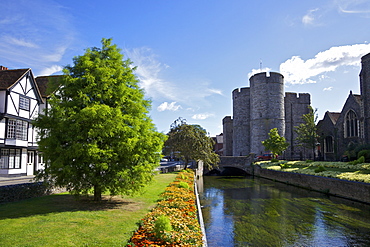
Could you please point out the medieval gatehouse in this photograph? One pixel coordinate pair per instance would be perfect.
(258, 109)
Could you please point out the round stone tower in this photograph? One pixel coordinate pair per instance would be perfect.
(365, 94)
(267, 108)
(241, 122)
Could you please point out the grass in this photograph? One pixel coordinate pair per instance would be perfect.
(61, 220)
(341, 170)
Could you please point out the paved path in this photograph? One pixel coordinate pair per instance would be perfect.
(15, 180)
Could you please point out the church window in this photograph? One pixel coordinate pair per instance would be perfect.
(351, 125)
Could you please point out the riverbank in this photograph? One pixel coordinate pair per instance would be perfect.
(352, 190)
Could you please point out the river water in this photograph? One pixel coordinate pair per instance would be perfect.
(248, 211)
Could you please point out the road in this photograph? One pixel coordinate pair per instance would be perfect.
(15, 180)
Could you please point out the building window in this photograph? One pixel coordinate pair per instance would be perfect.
(24, 103)
(17, 129)
(351, 125)
(329, 144)
(10, 159)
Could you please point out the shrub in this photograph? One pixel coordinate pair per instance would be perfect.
(309, 161)
(183, 185)
(284, 165)
(320, 168)
(358, 161)
(162, 226)
(365, 154)
(274, 160)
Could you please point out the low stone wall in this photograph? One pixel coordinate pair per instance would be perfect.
(17, 192)
(348, 189)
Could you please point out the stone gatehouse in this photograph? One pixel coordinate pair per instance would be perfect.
(259, 108)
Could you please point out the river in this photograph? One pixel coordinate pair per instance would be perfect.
(249, 211)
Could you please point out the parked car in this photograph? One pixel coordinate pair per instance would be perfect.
(267, 156)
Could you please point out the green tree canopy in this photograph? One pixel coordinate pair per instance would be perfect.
(307, 131)
(275, 143)
(97, 133)
(190, 142)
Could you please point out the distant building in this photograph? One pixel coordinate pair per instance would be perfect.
(340, 131)
(258, 109)
(219, 143)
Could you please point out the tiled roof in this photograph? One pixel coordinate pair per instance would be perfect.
(48, 84)
(333, 116)
(9, 77)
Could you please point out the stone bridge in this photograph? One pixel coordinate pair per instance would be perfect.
(243, 163)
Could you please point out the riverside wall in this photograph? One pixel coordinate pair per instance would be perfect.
(357, 191)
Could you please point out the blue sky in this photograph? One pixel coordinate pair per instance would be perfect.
(192, 54)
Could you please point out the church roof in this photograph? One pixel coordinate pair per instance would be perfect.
(333, 116)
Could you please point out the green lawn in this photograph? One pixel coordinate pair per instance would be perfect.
(60, 220)
(341, 170)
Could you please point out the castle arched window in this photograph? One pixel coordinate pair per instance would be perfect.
(351, 125)
(329, 147)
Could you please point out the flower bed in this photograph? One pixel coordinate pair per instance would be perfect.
(341, 170)
(179, 208)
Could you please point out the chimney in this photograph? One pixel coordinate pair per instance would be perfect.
(3, 68)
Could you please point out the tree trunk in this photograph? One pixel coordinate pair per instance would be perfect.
(97, 193)
(186, 163)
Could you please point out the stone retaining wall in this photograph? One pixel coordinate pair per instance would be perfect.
(17, 192)
(348, 189)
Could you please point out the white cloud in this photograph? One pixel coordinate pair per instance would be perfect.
(354, 7)
(215, 91)
(202, 116)
(256, 71)
(51, 70)
(328, 89)
(309, 18)
(168, 106)
(298, 71)
(26, 40)
(150, 73)
(18, 42)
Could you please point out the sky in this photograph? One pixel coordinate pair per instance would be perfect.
(190, 55)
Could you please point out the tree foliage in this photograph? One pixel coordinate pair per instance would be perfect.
(190, 142)
(97, 133)
(307, 131)
(275, 143)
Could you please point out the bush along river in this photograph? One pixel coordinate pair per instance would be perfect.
(251, 211)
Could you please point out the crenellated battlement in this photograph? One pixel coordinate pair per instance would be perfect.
(301, 98)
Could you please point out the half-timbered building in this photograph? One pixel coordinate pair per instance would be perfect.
(20, 103)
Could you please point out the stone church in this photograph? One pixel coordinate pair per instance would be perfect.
(340, 131)
(259, 108)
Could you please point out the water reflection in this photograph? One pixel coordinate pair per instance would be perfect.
(241, 211)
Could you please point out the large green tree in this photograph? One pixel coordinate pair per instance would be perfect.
(275, 143)
(97, 134)
(307, 131)
(190, 142)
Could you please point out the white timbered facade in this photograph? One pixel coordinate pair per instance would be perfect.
(20, 103)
